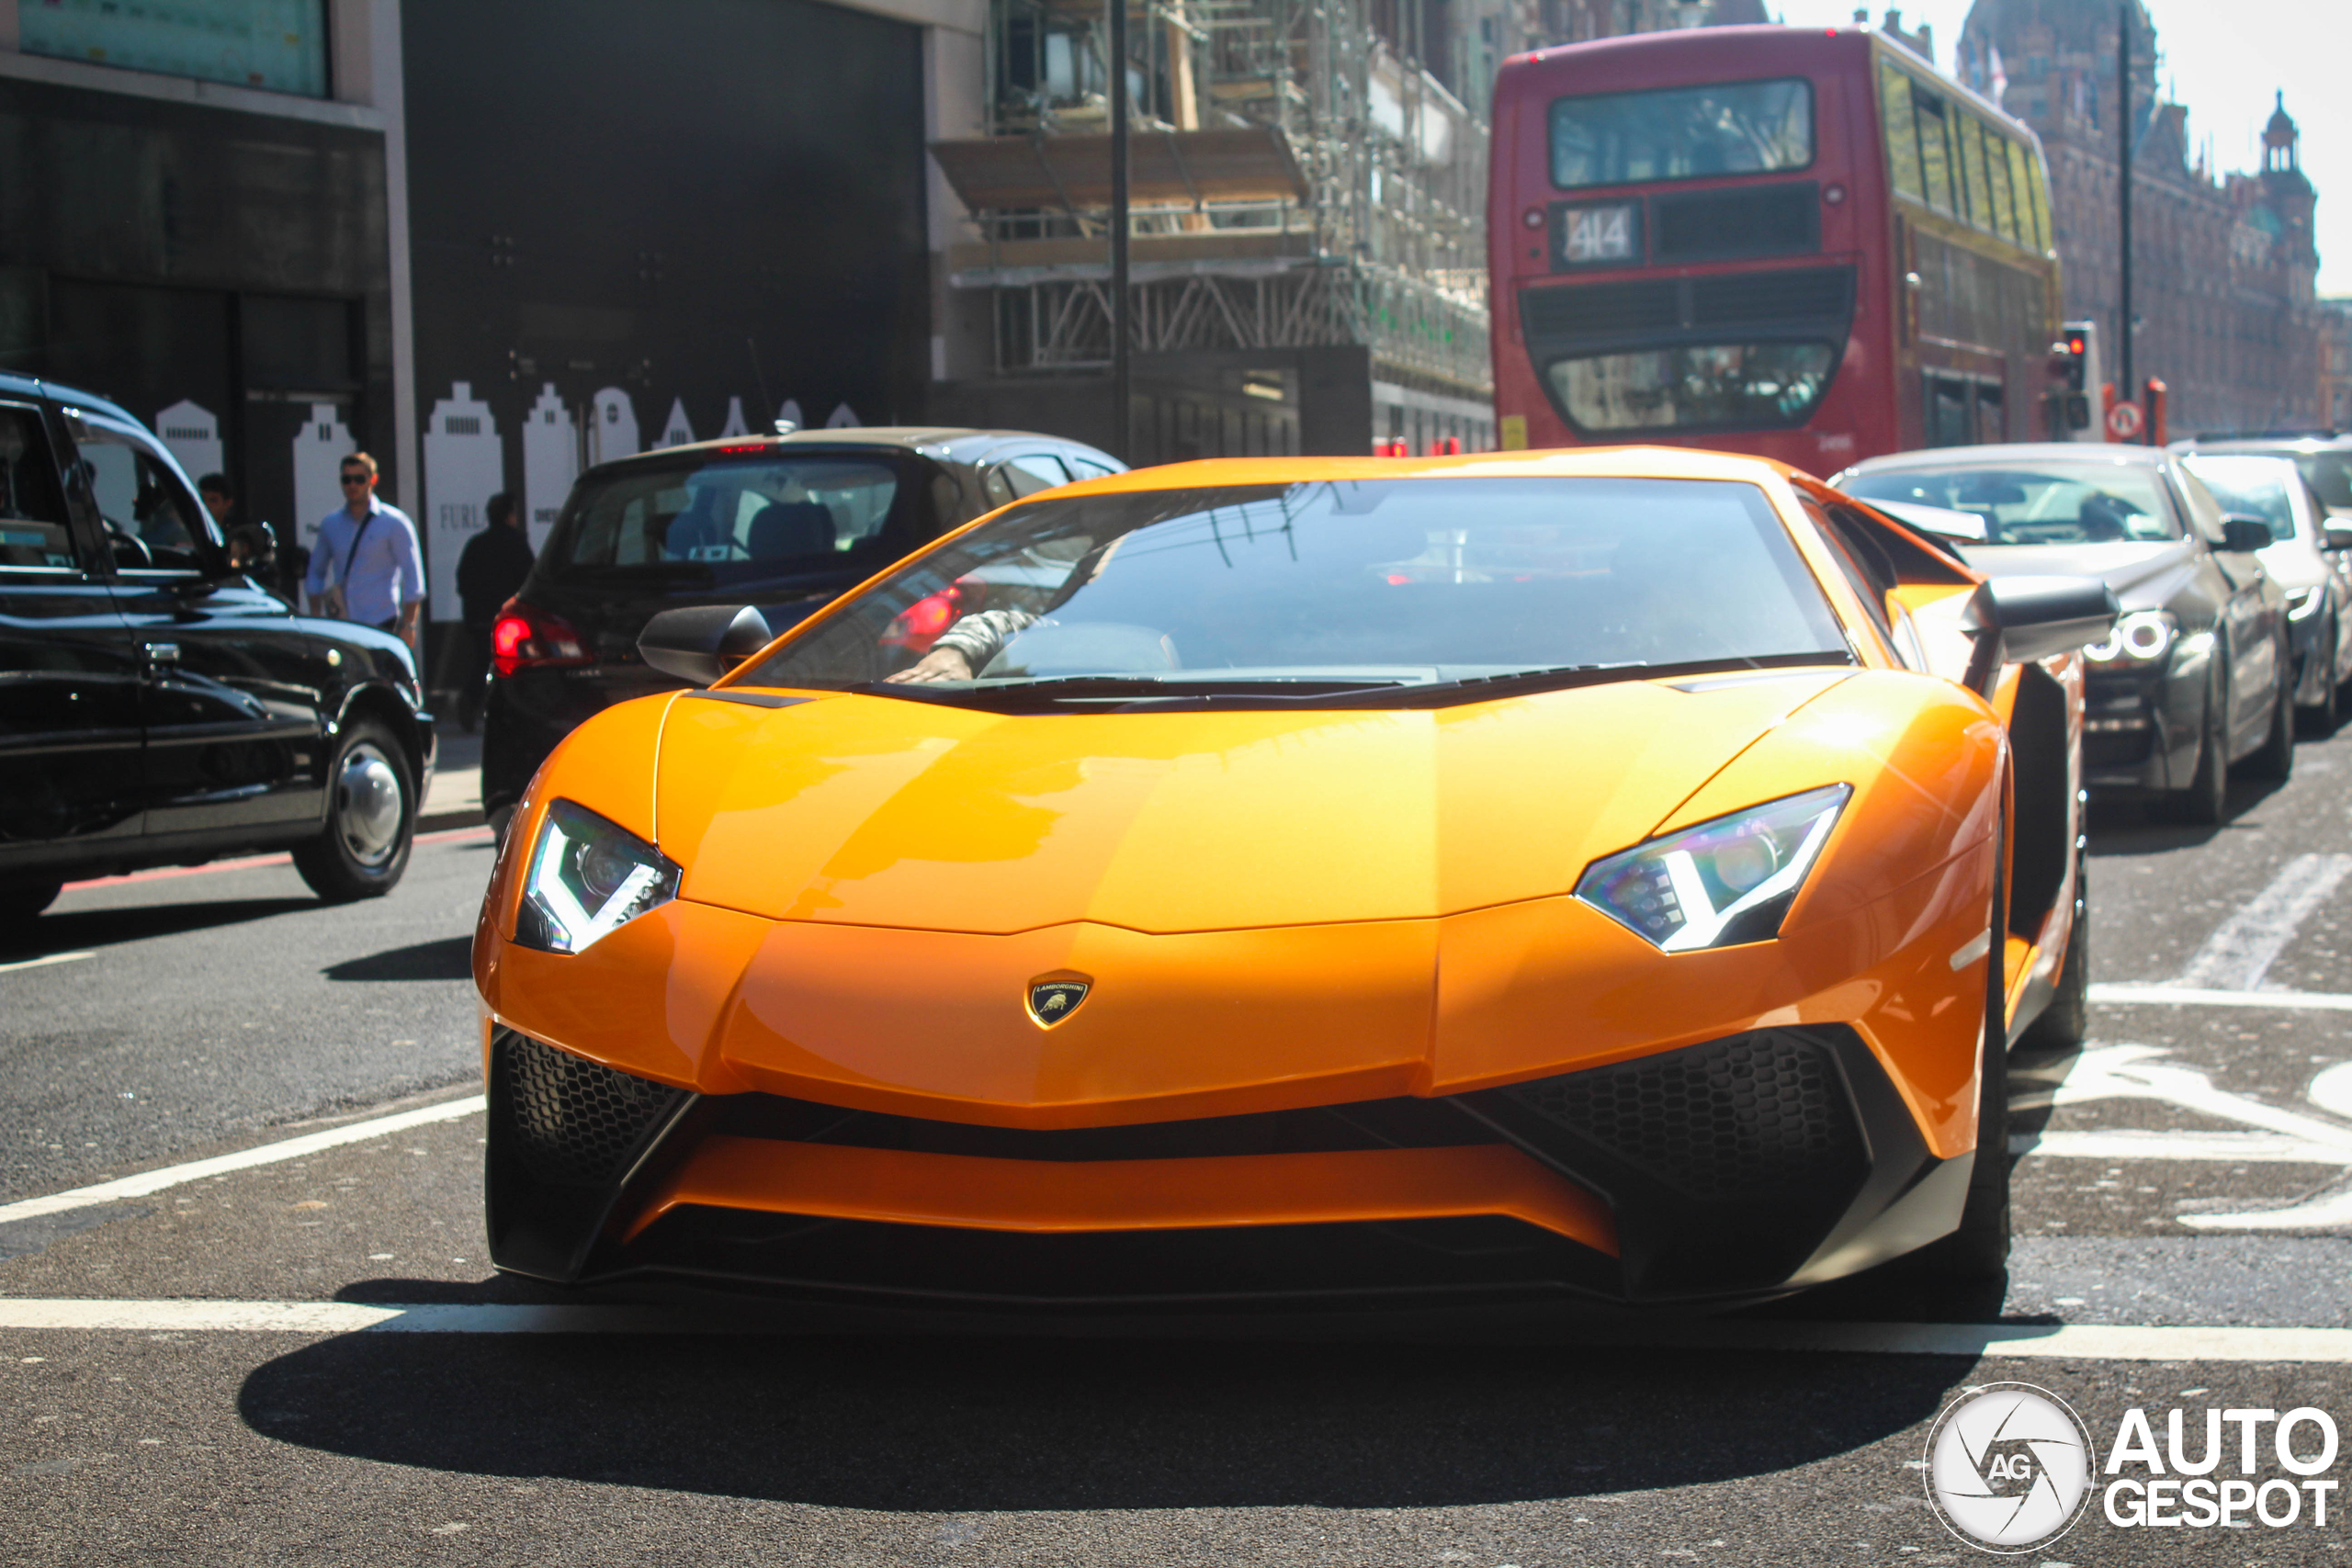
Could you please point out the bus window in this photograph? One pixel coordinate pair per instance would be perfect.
(1902, 132)
(1996, 175)
(1681, 133)
(1935, 155)
(1758, 385)
(2042, 205)
(1970, 130)
(2021, 189)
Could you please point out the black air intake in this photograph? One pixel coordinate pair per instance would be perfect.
(1764, 1113)
(576, 1123)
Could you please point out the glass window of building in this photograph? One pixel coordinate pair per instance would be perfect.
(279, 45)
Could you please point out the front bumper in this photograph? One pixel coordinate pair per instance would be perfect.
(1737, 1168)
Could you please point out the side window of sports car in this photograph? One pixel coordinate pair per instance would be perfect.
(1867, 571)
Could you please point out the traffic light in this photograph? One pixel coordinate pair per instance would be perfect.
(2070, 371)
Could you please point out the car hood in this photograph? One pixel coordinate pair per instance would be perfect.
(2144, 574)
(880, 811)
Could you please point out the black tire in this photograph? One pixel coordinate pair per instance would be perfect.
(371, 818)
(2065, 1024)
(2277, 758)
(2206, 802)
(21, 905)
(1978, 1252)
(2321, 718)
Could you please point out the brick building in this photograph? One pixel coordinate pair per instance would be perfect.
(2223, 265)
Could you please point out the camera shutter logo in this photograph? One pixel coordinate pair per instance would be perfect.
(2008, 1468)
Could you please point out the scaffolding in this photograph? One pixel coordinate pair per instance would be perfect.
(1362, 223)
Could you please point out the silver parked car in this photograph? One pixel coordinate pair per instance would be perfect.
(2303, 536)
(2197, 672)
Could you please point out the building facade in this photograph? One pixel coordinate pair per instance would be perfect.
(2225, 267)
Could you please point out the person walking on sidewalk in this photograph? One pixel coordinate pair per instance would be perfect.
(371, 551)
(490, 571)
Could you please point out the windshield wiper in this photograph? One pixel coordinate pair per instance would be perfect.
(1126, 693)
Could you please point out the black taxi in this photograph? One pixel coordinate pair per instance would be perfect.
(158, 707)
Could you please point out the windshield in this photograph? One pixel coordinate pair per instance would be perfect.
(1752, 384)
(2329, 473)
(2254, 487)
(1681, 133)
(2041, 503)
(1337, 585)
(733, 521)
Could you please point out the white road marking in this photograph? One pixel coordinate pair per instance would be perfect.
(2187, 996)
(47, 958)
(2132, 1072)
(2136, 1143)
(171, 1176)
(2236, 956)
(2088, 1341)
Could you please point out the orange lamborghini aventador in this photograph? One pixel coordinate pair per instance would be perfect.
(1617, 872)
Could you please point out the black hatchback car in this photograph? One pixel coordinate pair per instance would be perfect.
(159, 708)
(784, 523)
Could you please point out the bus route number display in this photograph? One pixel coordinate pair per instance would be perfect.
(1600, 234)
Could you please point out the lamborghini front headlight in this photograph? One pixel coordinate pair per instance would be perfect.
(588, 877)
(1721, 883)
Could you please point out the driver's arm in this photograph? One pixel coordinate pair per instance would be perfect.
(965, 649)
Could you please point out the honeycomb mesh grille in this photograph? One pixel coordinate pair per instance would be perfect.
(576, 1121)
(1751, 1114)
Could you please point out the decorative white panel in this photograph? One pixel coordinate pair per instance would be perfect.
(465, 465)
(320, 447)
(551, 462)
(193, 433)
(612, 426)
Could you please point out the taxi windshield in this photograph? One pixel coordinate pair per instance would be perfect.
(2046, 504)
(1328, 587)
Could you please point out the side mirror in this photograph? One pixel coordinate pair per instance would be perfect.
(2243, 533)
(2013, 620)
(2338, 532)
(704, 641)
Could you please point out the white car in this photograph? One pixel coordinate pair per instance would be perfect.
(2304, 560)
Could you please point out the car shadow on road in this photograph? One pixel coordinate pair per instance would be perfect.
(939, 1423)
(76, 928)
(2120, 824)
(445, 958)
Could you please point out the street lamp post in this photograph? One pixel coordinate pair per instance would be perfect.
(1122, 369)
(2124, 384)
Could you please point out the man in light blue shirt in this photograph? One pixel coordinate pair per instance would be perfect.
(365, 566)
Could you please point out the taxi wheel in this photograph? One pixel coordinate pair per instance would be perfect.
(371, 818)
(2277, 758)
(21, 904)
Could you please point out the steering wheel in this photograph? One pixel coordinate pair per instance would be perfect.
(128, 548)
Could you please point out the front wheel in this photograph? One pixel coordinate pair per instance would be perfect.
(2206, 801)
(21, 904)
(2321, 718)
(371, 818)
(1979, 1250)
(2277, 758)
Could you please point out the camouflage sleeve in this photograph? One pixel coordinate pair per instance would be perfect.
(980, 638)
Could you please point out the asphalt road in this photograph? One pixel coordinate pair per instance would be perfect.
(2189, 1169)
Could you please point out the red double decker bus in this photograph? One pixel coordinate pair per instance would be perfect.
(1799, 244)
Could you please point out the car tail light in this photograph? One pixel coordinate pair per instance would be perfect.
(526, 636)
(917, 626)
